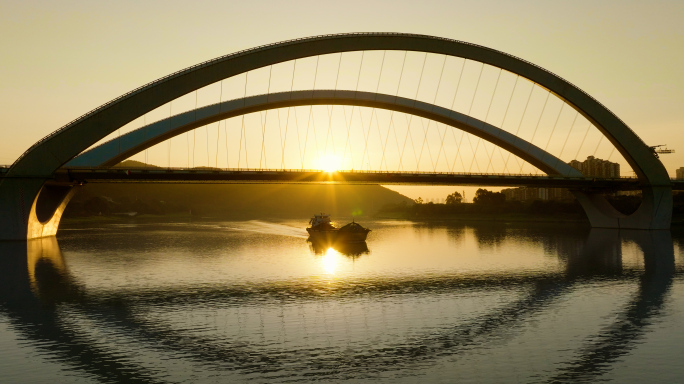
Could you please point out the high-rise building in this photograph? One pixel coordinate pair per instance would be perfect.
(680, 173)
(594, 167)
(591, 167)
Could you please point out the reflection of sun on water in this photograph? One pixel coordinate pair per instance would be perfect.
(330, 260)
(329, 163)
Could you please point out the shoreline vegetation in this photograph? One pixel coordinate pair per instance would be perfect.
(117, 202)
(493, 206)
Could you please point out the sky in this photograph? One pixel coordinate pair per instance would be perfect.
(59, 60)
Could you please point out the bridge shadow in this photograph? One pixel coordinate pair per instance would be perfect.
(35, 282)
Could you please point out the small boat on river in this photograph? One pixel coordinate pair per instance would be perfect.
(322, 229)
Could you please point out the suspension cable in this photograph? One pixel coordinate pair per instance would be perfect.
(225, 131)
(572, 126)
(330, 111)
(583, 139)
(377, 88)
(242, 130)
(426, 130)
(377, 124)
(168, 161)
(308, 121)
(194, 133)
(434, 101)
(503, 121)
(453, 103)
(598, 144)
(347, 124)
(287, 121)
(554, 127)
(351, 118)
(366, 135)
(611, 155)
(489, 108)
(536, 127)
(218, 125)
(472, 102)
(262, 154)
(522, 117)
(263, 123)
(299, 141)
(146, 135)
(280, 131)
(401, 76)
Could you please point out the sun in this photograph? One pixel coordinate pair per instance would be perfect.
(330, 261)
(329, 163)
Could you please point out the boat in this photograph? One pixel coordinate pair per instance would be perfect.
(322, 229)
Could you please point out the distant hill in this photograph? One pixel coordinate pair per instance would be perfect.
(134, 164)
(244, 201)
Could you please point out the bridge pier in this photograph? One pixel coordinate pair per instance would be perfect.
(655, 211)
(32, 208)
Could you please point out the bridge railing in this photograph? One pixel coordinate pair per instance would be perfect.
(282, 43)
(300, 170)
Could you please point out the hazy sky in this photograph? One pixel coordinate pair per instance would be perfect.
(61, 59)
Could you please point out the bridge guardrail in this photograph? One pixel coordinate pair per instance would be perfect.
(302, 170)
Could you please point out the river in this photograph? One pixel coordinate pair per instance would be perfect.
(209, 301)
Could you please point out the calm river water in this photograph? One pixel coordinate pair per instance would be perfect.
(218, 302)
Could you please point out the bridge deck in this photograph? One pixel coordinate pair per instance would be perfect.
(212, 175)
(215, 175)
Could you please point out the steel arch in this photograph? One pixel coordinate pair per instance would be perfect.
(70, 140)
(119, 149)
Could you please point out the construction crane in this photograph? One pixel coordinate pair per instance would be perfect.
(657, 150)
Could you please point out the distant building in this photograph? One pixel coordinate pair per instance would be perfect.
(594, 167)
(591, 167)
(680, 173)
(534, 193)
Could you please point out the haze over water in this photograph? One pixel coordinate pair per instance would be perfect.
(442, 302)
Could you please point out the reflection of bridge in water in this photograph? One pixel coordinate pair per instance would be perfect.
(37, 288)
(372, 101)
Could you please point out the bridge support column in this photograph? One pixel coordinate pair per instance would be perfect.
(655, 211)
(31, 208)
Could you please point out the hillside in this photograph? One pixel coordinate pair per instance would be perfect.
(243, 201)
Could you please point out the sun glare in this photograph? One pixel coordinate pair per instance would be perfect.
(330, 260)
(329, 163)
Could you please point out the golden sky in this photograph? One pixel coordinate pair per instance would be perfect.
(59, 60)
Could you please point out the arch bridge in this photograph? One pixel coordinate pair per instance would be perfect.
(402, 89)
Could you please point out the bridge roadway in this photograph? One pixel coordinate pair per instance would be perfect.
(78, 175)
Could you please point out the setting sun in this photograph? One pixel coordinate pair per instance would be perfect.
(329, 163)
(330, 260)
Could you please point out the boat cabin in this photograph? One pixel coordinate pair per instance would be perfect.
(320, 219)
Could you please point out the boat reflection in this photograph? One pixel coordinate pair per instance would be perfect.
(349, 249)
